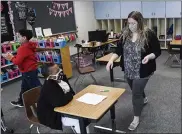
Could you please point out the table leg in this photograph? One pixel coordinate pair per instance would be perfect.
(83, 126)
(113, 123)
(112, 76)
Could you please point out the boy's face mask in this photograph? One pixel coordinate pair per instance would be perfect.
(58, 76)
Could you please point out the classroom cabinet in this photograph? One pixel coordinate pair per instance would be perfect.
(129, 6)
(107, 10)
(153, 9)
(173, 9)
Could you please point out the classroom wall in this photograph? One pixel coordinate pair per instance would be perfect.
(85, 20)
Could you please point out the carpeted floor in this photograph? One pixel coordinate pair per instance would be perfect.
(161, 115)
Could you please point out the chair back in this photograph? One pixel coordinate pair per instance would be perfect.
(30, 99)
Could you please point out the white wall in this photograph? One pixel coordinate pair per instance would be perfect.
(85, 20)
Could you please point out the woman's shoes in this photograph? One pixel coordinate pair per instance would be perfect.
(145, 100)
(133, 126)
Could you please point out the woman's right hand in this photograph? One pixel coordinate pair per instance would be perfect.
(109, 65)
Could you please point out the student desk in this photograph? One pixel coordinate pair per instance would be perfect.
(93, 113)
(177, 44)
(95, 47)
(105, 59)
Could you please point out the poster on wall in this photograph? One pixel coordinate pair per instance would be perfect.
(4, 28)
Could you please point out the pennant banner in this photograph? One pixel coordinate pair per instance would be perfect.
(63, 12)
(63, 5)
(71, 10)
(66, 4)
(50, 11)
(67, 12)
(58, 5)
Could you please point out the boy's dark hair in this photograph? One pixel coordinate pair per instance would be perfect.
(45, 69)
(27, 33)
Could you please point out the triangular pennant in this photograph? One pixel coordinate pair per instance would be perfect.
(62, 6)
(55, 13)
(66, 4)
(63, 12)
(50, 11)
(58, 5)
(54, 5)
(59, 14)
(67, 12)
(70, 9)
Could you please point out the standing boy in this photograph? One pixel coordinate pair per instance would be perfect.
(27, 64)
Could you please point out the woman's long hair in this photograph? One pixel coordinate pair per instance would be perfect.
(142, 29)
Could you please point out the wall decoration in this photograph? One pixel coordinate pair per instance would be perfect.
(4, 28)
(56, 11)
(11, 17)
(21, 8)
(2, 7)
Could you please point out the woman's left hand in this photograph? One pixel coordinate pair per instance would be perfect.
(148, 57)
(145, 60)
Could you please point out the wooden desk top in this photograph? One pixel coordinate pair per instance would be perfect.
(80, 109)
(102, 43)
(107, 57)
(175, 42)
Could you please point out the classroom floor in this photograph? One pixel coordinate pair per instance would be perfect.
(161, 115)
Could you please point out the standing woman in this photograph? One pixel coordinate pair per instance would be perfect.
(138, 48)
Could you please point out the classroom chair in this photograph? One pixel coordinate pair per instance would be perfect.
(30, 99)
(173, 52)
(83, 71)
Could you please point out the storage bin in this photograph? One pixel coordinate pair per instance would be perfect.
(56, 59)
(42, 58)
(6, 48)
(4, 77)
(41, 44)
(13, 74)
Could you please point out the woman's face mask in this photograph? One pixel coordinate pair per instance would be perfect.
(133, 27)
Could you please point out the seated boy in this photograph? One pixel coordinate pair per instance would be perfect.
(56, 91)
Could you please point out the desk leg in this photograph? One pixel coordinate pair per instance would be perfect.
(113, 129)
(113, 116)
(112, 76)
(83, 126)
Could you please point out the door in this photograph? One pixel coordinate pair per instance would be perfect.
(173, 9)
(133, 6)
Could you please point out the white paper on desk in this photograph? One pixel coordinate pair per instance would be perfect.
(47, 32)
(38, 31)
(91, 98)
